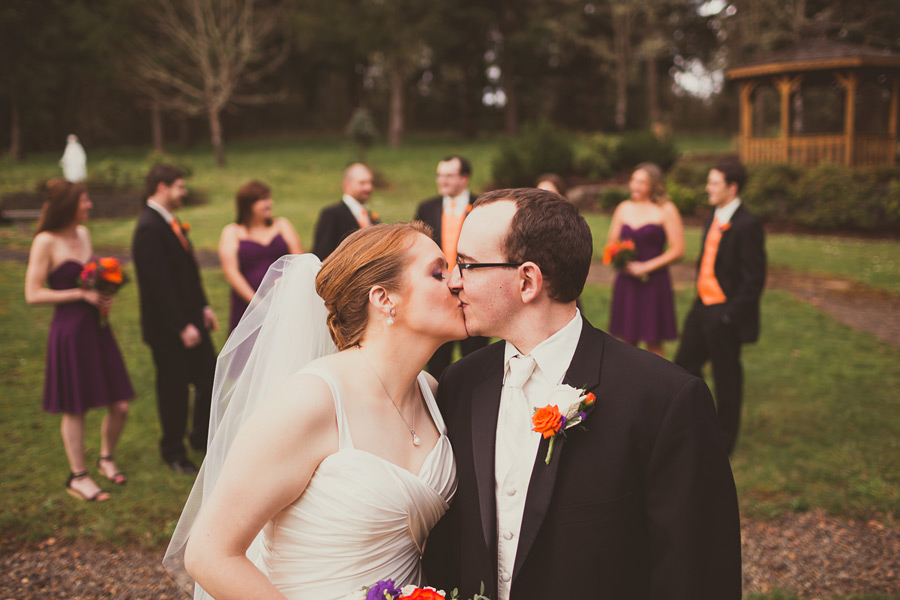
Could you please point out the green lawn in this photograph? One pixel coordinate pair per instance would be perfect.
(821, 423)
(305, 174)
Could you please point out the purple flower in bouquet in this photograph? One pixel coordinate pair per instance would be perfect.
(383, 590)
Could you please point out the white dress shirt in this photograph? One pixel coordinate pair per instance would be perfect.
(169, 217)
(512, 470)
(359, 211)
(724, 213)
(461, 203)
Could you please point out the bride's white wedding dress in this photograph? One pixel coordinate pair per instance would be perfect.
(361, 518)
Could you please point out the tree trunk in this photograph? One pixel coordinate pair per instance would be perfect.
(15, 132)
(215, 134)
(512, 99)
(653, 91)
(184, 131)
(395, 125)
(157, 127)
(621, 53)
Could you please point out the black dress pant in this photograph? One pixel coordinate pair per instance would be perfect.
(177, 368)
(707, 337)
(443, 356)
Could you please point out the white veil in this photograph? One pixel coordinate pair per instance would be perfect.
(283, 328)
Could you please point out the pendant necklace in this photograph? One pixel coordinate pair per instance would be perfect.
(412, 430)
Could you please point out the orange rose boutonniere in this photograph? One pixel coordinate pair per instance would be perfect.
(185, 227)
(551, 423)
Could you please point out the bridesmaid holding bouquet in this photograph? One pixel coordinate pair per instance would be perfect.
(84, 366)
(252, 243)
(643, 306)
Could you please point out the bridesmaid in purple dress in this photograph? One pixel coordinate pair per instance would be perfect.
(253, 242)
(643, 306)
(84, 366)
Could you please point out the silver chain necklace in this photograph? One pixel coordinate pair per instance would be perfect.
(412, 430)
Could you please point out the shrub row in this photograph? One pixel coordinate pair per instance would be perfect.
(824, 197)
(544, 148)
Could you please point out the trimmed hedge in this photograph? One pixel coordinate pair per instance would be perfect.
(604, 155)
(539, 148)
(826, 197)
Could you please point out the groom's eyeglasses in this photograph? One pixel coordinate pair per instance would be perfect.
(467, 266)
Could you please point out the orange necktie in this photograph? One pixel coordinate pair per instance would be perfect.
(451, 225)
(176, 227)
(708, 287)
(363, 219)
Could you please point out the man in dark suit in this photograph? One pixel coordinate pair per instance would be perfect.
(640, 504)
(337, 221)
(445, 214)
(175, 316)
(730, 280)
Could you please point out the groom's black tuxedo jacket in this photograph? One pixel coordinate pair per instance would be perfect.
(741, 270)
(640, 505)
(170, 289)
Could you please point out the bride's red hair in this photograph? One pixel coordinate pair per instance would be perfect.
(376, 255)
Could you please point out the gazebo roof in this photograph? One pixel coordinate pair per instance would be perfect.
(815, 55)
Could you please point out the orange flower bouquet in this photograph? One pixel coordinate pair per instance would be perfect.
(106, 276)
(618, 254)
(388, 590)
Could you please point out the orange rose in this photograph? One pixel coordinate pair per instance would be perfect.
(627, 245)
(423, 594)
(607, 254)
(546, 420)
(113, 276)
(185, 226)
(109, 263)
(589, 399)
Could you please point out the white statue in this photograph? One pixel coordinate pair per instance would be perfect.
(74, 160)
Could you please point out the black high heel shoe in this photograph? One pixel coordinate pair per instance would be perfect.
(118, 477)
(73, 492)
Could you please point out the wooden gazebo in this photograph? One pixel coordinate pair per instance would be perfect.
(836, 67)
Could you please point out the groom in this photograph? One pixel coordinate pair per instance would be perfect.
(641, 504)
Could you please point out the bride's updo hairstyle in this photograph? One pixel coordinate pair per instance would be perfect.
(376, 255)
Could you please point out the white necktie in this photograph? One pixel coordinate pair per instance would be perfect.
(515, 415)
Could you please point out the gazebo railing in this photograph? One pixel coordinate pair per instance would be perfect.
(813, 149)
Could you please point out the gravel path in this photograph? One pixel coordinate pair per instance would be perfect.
(810, 554)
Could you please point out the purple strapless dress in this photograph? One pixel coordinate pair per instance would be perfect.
(644, 311)
(84, 366)
(254, 259)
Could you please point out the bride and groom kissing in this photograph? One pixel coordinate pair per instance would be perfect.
(356, 458)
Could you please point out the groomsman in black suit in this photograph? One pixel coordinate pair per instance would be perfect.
(175, 316)
(337, 221)
(640, 503)
(730, 280)
(446, 213)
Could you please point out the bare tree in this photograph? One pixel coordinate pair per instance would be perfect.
(198, 56)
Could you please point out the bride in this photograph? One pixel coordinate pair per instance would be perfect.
(328, 463)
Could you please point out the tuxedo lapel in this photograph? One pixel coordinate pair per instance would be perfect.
(485, 410)
(583, 372)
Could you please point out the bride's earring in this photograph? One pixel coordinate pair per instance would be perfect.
(390, 319)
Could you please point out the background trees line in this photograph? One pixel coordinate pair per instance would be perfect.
(127, 71)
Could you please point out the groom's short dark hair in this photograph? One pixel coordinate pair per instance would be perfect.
(550, 232)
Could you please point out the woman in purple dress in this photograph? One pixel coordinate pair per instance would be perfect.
(84, 366)
(253, 242)
(643, 307)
